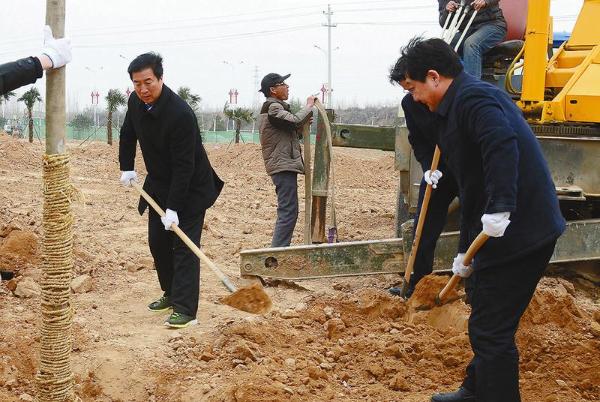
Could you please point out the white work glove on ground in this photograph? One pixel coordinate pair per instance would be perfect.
(432, 178)
(58, 50)
(494, 225)
(127, 176)
(169, 219)
(459, 269)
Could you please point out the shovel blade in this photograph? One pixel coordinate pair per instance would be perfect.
(251, 299)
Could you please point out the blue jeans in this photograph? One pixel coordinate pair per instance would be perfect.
(477, 44)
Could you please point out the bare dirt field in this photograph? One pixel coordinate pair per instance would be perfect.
(332, 339)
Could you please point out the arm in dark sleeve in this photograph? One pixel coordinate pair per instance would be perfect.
(489, 127)
(442, 11)
(181, 148)
(18, 73)
(491, 3)
(463, 227)
(127, 144)
(422, 148)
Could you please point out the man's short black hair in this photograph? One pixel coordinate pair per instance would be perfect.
(147, 60)
(421, 55)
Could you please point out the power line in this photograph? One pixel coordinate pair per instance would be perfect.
(195, 26)
(385, 9)
(390, 23)
(198, 22)
(112, 31)
(180, 42)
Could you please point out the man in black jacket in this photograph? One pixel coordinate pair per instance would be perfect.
(423, 135)
(180, 179)
(487, 30)
(506, 191)
(55, 53)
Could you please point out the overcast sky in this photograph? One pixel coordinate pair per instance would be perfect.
(212, 46)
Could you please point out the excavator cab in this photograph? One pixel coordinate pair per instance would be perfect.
(497, 61)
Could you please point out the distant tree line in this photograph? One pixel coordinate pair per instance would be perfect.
(244, 119)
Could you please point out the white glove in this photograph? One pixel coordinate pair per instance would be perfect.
(169, 219)
(432, 178)
(494, 225)
(127, 176)
(58, 50)
(459, 269)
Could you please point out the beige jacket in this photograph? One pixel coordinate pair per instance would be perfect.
(279, 129)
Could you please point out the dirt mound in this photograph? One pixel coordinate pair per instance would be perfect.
(370, 346)
(553, 306)
(427, 290)
(20, 155)
(19, 249)
(349, 348)
(560, 353)
(251, 299)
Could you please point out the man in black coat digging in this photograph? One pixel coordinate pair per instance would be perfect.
(505, 190)
(180, 179)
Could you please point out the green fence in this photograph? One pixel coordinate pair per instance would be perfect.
(99, 134)
(225, 137)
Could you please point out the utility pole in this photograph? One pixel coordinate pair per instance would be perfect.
(329, 25)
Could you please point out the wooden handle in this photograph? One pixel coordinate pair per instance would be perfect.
(186, 239)
(327, 125)
(307, 185)
(473, 249)
(424, 206)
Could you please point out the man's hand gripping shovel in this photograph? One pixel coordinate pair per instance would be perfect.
(252, 299)
(441, 296)
(415, 246)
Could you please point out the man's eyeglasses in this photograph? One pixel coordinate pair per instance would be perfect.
(280, 84)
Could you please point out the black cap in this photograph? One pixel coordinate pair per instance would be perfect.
(270, 80)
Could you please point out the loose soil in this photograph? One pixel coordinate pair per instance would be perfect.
(331, 339)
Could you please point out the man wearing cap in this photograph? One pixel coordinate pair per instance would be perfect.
(279, 139)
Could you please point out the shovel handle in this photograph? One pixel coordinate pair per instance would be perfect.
(307, 185)
(421, 222)
(473, 249)
(228, 284)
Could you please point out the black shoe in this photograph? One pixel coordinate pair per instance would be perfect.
(462, 395)
(6, 275)
(160, 305)
(397, 291)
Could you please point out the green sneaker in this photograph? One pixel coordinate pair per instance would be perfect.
(162, 304)
(179, 320)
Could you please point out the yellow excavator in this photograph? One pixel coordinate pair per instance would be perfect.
(564, 90)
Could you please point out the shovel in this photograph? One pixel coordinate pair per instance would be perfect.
(415, 246)
(251, 299)
(473, 249)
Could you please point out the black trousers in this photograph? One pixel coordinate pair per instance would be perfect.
(437, 211)
(177, 266)
(499, 297)
(286, 187)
